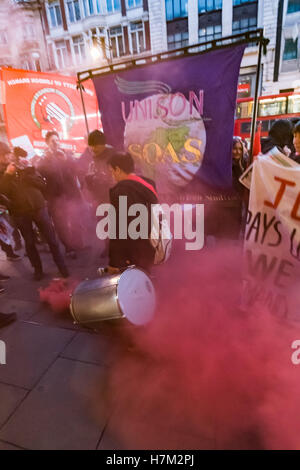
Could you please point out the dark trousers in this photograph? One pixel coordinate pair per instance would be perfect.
(43, 222)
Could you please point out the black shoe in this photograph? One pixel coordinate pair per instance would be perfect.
(14, 257)
(64, 272)
(4, 278)
(38, 275)
(7, 318)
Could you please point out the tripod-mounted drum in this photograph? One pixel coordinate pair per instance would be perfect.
(129, 295)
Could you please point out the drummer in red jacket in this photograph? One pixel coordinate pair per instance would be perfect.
(128, 251)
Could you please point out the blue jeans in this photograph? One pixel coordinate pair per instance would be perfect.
(43, 222)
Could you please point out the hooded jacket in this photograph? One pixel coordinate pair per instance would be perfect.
(139, 252)
(24, 191)
(280, 135)
(99, 179)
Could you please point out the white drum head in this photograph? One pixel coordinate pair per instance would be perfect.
(136, 296)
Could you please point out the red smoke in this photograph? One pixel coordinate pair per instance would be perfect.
(205, 374)
(57, 294)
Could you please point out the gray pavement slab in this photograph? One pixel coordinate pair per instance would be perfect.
(11, 397)
(24, 309)
(96, 348)
(67, 410)
(31, 349)
(45, 316)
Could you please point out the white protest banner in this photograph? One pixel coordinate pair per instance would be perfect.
(272, 240)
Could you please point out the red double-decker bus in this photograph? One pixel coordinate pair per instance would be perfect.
(270, 108)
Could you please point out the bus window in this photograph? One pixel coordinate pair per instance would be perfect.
(244, 110)
(272, 107)
(294, 104)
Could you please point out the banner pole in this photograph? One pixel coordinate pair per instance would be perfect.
(83, 107)
(255, 103)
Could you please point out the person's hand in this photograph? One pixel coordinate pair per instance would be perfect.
(112, 270)
(11, 169)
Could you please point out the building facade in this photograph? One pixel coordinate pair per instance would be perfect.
(83, 34)
(189, 22)
(67, 36)
(22, 40)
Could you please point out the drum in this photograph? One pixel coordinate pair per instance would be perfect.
(129, 295)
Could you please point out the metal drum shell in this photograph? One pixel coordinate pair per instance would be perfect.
(96, 300)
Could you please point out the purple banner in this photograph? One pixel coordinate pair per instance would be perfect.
(175, 117)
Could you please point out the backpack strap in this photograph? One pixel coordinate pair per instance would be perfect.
(138, 179)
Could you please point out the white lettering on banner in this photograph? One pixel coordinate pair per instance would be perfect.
(272, 240)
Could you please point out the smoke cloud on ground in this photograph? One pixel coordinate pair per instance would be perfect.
(205, 374)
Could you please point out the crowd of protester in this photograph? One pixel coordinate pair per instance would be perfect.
(53, 198)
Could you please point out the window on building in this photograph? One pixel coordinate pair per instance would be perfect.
(137, 37)
(3, 37)
(113, 6)
(117, 41)
(74, 11)
(209, 5)
(244, 17)
(241, 2)
(25, 64)
(88, 7)
(293, 5)
(210, 32)
(55, 15)
(245, 24)
(101, 6)
(37, 65)
(61, 56)
(79, 49)
(290, 49)
(177, 40)
(176, 9)
(134, 3)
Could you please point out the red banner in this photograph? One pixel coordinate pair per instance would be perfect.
(35, 103)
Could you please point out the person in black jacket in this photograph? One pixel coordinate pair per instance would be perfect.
(99, 179)
(63, 193)
(280, 136)
(24, 189)
(125, 252)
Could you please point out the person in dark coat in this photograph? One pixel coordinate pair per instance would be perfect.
(127, 252)
(24, 189)
(99, 178)
(239, 165)
(63, 194)
(280, 136)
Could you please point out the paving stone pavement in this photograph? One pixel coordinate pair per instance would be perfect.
(54, 388)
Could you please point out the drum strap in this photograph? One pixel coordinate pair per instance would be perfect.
(138, 179)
